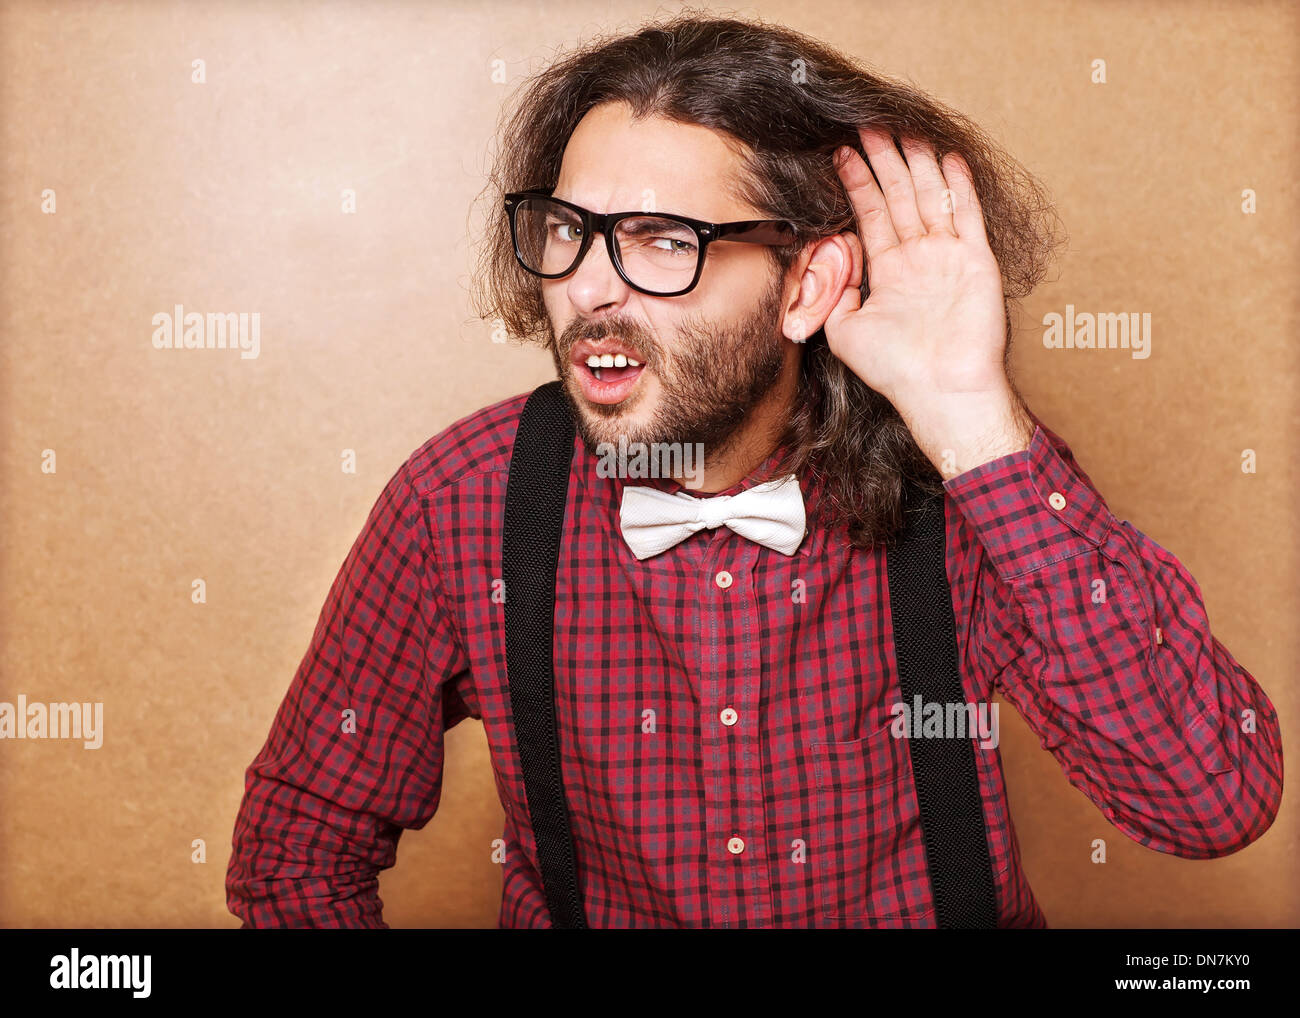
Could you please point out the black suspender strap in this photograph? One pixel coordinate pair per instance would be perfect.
(947, 789)
(536, 496)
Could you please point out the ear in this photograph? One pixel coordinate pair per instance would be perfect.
(824, 270)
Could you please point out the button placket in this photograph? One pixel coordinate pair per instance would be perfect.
(739, 877)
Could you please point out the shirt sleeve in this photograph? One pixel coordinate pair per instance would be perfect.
(1099, 637)
(355, 753)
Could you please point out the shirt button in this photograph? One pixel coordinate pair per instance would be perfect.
(728, 717)
(735, 846)
(723, 579)
(1056, 500)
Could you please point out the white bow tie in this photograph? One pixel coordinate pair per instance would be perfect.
(771, 514)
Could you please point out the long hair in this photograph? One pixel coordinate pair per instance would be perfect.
(791, 101)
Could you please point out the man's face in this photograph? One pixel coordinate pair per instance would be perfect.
(707, 357)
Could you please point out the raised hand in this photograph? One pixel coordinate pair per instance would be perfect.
(930, 337)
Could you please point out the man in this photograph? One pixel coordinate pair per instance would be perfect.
(725, 704)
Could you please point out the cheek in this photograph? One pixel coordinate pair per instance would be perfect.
(740, 277)
(553, 302)
(725, 301)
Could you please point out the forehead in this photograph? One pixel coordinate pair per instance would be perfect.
(613, 163)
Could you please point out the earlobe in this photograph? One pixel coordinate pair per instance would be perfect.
(796, 325)
(795, 328)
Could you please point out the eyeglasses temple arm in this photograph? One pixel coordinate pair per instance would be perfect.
(777, 233)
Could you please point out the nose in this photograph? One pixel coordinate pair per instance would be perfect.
(595, 283)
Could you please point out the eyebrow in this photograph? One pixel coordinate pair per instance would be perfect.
(656, 212)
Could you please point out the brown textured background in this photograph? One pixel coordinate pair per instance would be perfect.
(225, 196)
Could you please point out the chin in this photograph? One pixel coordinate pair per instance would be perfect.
(612, 423)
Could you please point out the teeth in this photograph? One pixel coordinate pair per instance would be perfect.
(607, 360)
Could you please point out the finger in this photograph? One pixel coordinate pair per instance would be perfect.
(933, 200)
(967, 215)
(895, 181)
(856, 263)
(850, 301)
(874, 228)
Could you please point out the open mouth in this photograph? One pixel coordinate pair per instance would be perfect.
(612, 367)
(607, 378)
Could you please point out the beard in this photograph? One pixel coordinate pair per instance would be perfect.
(709, 381)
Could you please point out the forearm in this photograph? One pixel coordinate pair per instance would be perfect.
(355, 753)
(294, 872)
(1100, 638)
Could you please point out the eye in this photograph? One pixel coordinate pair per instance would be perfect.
(667, 244)
(559, 228)
(659, 235)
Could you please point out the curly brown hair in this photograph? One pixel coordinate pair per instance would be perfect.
(790, 101)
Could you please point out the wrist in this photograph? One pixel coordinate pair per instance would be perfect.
(976, 430)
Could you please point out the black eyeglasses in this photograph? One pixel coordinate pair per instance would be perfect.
(658, 254)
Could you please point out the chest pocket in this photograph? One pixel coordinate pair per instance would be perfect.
(868, 854)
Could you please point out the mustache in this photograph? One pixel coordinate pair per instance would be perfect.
(623, 329)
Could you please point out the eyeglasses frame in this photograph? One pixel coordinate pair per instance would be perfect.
(768, 232)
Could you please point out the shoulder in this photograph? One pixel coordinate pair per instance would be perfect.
(479, 443)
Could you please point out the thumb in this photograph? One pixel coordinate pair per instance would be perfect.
(849, 302)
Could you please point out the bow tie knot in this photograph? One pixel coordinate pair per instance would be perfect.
(770, 514)
(713, 512)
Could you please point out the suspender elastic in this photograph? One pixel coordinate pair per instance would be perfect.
(947, 787)
(536, 495)
(947, 790)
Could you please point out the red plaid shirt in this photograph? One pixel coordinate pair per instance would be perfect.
(798, 809)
